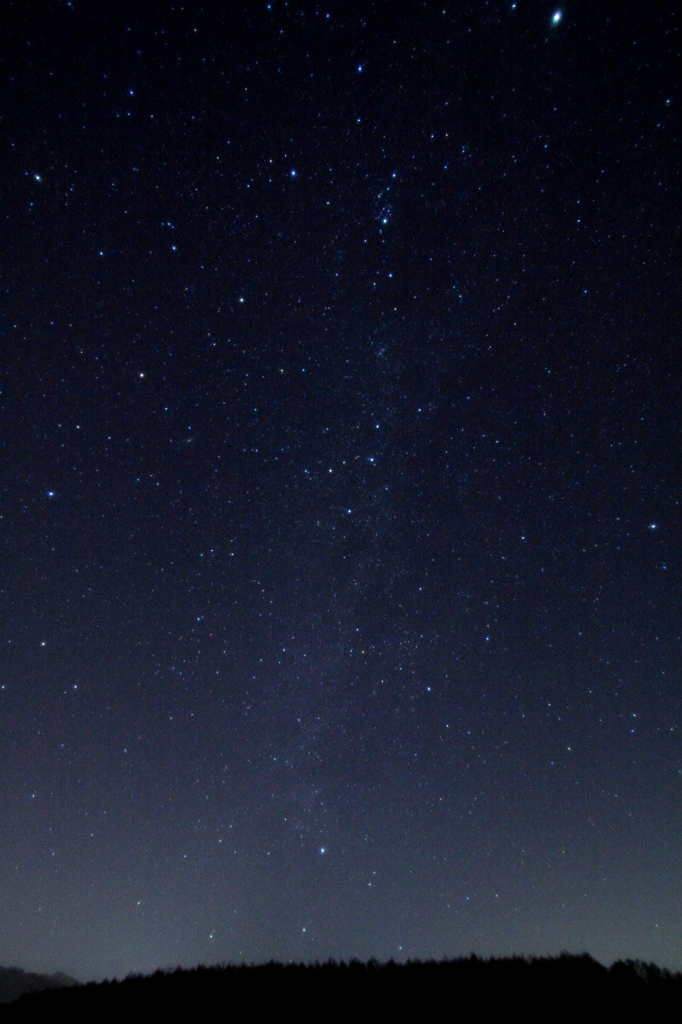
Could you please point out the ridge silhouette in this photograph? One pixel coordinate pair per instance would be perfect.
(548, 986)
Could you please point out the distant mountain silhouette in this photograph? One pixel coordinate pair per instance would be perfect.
(14, 982)
(540, 988)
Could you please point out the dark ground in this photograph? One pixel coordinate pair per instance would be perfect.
(448, 989)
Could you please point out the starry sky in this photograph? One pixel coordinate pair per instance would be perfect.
(340, 518)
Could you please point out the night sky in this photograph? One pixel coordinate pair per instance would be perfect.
(339, 586)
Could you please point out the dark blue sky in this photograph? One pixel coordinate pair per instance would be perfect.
(339, 598)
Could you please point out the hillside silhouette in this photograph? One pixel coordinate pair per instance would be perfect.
(15, 982)
(538, 987)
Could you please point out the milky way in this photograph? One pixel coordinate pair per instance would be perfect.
(340, 575)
